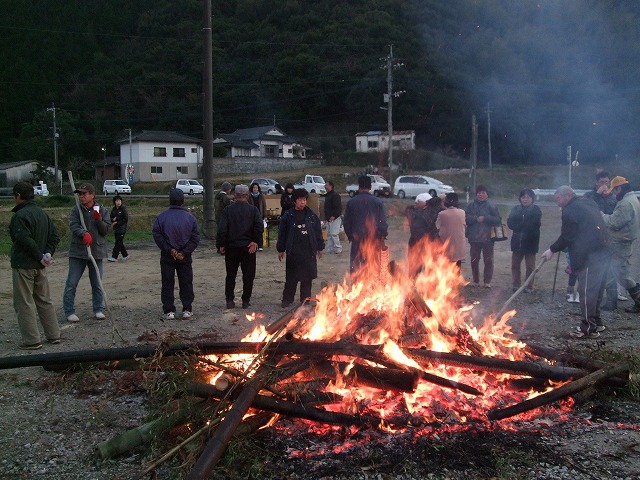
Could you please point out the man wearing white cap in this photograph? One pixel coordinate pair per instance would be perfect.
(624, 229)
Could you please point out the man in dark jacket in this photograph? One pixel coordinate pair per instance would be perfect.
(584, 233)
(300, 237)
(365, 224)
(34, 238)
(175, 231)
(239, 232)
(333, 217)
(480, 216)
(84, 240)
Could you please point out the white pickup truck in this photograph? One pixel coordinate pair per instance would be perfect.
(379, 187)
(312, 184)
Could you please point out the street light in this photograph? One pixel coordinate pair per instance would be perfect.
(104, 152)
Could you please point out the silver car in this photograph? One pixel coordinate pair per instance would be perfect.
(414, 185)
(114, 187)
(268, 186)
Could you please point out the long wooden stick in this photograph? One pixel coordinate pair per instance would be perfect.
(559, 393)
(520, 290)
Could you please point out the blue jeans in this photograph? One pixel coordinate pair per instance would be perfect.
(76, 269)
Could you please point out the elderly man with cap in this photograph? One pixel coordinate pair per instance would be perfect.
(175, 231)
(624, 228)
(239, 232)
(422, 225)
(84, 240)
(584, 233)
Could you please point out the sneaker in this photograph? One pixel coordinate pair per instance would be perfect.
(246, 305)
(577, 333)
(260, 249)
(286, 304)
(33, 346)
(124, 259)
(622, 298)
(576, 298)
(231, 304)
(487, 285)
(169, 316)
(186, 315)
(570, 297)
(100, 315)
(73, 318)
(111, 259)
(55, 341)
(600, 328)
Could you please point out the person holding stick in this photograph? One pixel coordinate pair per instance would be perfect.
(85, 240)
(585, 234)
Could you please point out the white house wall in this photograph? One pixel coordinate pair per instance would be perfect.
(143, 160)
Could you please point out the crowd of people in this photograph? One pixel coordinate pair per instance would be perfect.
(597, 235)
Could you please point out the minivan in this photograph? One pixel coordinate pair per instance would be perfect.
(114, 187)
(414, 185)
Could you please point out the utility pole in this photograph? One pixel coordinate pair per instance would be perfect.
(390, 109)
(569, 160)
(489, 131)
(55, 144)
(129, 175)
(207, 125)
(474, 152)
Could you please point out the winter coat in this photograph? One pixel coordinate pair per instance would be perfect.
(606, 203)
(624, 223)
(220, 202)
(239, 225)
(288, 225)
(122, 217)
(451, 226)
(481, 232)
(33, 234)
(332, 205)
(286, 202)
(583, 232)
(176, 228)
(525, 223)
(364, 217)
(422, 223)
(97, 228)
(260, 203)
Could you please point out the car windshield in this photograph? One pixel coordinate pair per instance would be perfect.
(318, 180)
(193, 182)
(119, 182)
(378, 178)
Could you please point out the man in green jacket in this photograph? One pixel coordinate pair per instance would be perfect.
(34, 238)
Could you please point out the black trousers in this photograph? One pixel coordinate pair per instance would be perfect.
(289, 292)
(235, 257)
(168, 270)
(119, 247)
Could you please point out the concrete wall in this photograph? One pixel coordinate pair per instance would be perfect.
(256, 165)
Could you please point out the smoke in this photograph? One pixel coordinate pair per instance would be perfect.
(549, 73)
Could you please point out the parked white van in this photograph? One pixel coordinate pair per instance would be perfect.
(114, 187)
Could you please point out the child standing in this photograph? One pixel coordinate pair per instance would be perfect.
(119, 220)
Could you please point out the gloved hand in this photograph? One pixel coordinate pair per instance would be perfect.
(547, 254)
(86, 239)
(96, 213)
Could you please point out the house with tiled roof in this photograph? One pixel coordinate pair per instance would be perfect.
(266, 142)
(378, 141)
(159, 156)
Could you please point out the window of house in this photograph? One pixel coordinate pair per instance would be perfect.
(194, 150)
(372, 144)
(179, 152)
(183, 170)
(270, 150)
(156, 169)
(159, 151)
(396, 143)
(290, 150)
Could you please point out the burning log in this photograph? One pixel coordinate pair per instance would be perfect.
(495, 365)
(383, 378)
(559, 393)
(291, 409)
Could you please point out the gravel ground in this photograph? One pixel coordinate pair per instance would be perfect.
(52, 421)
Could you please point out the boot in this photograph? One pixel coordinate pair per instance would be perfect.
(611, 303)
(634, 293)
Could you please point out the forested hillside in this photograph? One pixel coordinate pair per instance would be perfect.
(549, 73)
